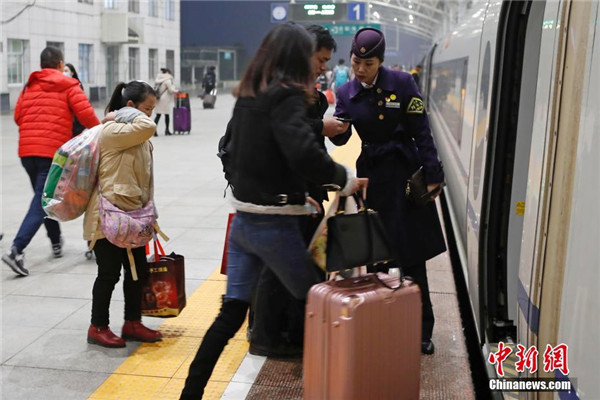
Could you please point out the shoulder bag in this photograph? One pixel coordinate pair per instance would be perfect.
(356, 239)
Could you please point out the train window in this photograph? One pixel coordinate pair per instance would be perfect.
(448, 85)
(481, 127)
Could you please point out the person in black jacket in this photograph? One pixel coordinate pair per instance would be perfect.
(209, 82)
(274, 155)
(277, 326)
(70, 71)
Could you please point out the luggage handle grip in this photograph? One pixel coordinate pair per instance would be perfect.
(374, 278)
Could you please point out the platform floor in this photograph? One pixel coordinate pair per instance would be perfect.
(45, 316)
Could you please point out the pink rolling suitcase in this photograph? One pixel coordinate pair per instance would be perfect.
(363, 340)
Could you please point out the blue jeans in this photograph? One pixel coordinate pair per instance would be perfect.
(272, 241)
(37, 168)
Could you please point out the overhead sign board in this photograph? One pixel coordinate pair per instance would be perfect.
(356, 11)
(317, 11)
(348, 29)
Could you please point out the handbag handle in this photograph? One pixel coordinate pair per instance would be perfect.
(360, 203)
(157, 247)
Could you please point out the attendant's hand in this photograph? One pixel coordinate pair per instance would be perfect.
(109, 117)
(333, 127)
(432, 186)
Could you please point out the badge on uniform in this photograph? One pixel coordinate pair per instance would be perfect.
(392, 104)
(415, 106)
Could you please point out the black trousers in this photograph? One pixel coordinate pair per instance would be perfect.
(418, 273)
(110, 259)
(167, 119)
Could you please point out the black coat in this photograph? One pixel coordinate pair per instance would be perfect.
(209, 81)
(391, 121)
(274, 150)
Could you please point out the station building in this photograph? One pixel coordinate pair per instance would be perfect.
(107, 41)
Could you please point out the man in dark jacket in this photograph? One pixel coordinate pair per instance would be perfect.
(45, 112)
(209, 82)
(276, 313)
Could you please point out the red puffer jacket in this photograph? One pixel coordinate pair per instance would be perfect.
(45, 109)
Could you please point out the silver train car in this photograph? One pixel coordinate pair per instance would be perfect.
(513, 95)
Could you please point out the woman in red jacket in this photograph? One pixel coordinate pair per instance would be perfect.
(44, 113)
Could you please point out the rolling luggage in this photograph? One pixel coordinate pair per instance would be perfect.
(210, 99)
(182, 117)
(363, 339)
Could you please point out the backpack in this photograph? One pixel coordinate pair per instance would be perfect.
(341, 75)
(72, 176)
(225, 149)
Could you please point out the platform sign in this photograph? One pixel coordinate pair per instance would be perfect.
(356, 11)
(348, 29)
(309, 12)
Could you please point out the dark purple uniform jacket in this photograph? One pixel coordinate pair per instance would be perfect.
(391, 121)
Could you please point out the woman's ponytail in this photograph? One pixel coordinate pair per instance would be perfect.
(116, 100)
(136, 91)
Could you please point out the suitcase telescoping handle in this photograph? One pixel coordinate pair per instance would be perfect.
(370, 279)
(374, 278)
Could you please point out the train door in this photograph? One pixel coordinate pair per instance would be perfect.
(532, 241)
(507, 166)
(478, 160)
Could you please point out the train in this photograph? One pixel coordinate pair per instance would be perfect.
(513, 97)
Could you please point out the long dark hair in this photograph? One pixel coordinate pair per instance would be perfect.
(136, 91)
(73, 70)
(282, 59)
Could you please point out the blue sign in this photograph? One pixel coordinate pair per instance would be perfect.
(356, 11)
(279, 12)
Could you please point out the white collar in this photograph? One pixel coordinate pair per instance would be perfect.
(367, 86)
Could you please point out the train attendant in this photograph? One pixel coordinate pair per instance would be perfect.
(387, 110)
(274, 155)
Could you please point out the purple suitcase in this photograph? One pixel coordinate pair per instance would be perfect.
(182, 120)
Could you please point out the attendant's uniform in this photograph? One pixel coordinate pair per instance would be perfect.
(390, 118)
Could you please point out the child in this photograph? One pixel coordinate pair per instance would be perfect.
(125, 180)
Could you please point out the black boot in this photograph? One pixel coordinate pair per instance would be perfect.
(227, 323)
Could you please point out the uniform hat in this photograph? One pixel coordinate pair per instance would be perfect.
(367, 43)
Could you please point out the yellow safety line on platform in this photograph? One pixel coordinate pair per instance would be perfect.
(158, 370)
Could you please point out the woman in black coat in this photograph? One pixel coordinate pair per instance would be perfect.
(274, 156)
(70, 71)
(389, 116)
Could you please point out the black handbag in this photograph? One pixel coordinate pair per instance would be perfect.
(416, 189)
(357, 239)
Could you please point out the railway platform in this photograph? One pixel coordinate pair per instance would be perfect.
(45, 316)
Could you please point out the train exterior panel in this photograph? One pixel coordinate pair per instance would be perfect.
(579, 316)
(513, 94)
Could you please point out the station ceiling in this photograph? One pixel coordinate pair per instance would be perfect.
(422, 18)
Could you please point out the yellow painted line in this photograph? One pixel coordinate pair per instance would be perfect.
(158, 370)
